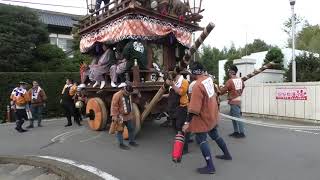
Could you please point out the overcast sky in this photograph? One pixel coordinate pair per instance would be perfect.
(233, 18)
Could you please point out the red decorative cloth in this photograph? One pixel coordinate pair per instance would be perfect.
(134, 27)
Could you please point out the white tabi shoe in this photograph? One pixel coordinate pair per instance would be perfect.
(113, 84)
(103, 83)
(96, 84)
(122, 85)
(82, 85)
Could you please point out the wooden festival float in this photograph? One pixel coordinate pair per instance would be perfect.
(165, 27)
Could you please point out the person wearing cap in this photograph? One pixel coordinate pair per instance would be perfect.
(121, 112)
(38, 102)
(203, 117)
(234, 87)
(20, 99)
(80, 100)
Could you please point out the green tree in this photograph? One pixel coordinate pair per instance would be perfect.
(308, 68)
(50, 58)
(20, 34)
(275, 55)
(227, 66)
(231, 54)
(309, 39)
(299, 21)
(257, 45)
(210, 59)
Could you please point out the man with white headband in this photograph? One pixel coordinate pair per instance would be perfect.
(203, 117)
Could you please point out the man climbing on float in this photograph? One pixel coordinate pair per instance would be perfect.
(133, 52)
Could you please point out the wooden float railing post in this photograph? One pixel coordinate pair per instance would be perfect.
(186, 59)
(136, 73)
(152, 103)
(199, 41)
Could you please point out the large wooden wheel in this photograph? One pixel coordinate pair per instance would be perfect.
(97, 113)
(136, 121)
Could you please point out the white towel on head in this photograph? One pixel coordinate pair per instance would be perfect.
(179, 82)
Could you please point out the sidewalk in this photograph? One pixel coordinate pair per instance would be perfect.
(22, 172)
(224, 108)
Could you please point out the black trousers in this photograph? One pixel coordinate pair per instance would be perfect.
(181, 117)
(70, 109)
(21, 115)
(77, 114)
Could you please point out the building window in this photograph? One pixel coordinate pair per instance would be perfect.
(62, 41)
(53, 40)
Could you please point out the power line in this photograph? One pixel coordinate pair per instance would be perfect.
(44, 4)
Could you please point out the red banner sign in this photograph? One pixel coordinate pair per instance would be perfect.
(292, 93)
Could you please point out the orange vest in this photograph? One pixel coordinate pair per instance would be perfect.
(20, 96)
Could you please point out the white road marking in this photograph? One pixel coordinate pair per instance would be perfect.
(88, 168)
(89, 139)
(308, 132)
(62, 137)
(280, 126)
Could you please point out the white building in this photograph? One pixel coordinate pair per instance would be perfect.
(255, 61)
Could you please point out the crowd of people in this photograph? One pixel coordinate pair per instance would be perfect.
(29, 104)
(193, 108)
(114, 61)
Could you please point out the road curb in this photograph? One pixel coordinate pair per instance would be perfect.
(67, 171)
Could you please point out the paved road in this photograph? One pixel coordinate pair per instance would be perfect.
(266, 154)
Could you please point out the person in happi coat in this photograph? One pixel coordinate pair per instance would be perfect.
(234, 87)
(203, 116)
(20, 99)
(121, 112)
(38, 102)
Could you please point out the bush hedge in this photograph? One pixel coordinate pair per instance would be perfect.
(51, 82)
